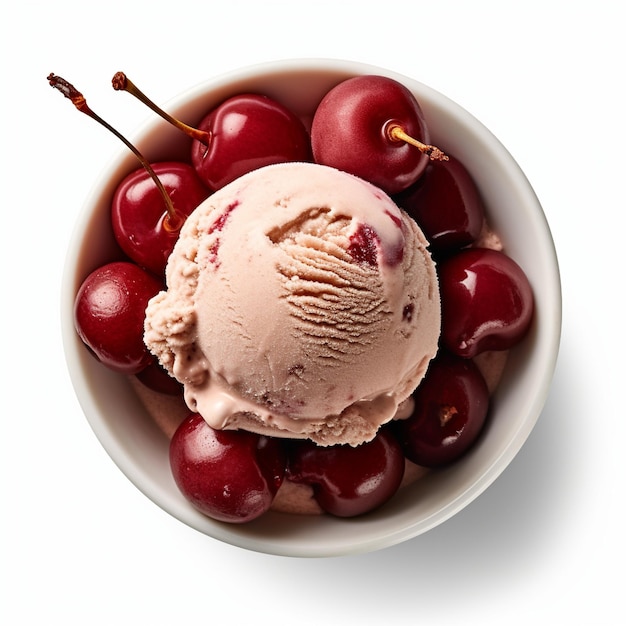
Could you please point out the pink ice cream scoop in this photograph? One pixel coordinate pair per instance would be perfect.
(301, 302)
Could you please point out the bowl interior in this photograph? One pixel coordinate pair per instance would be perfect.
(140, 449)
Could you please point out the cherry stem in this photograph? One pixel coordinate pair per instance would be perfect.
(397, 133)
(446, 413)
(121, 82)
(173, 220)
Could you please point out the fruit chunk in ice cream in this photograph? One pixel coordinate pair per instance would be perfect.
(301, 302)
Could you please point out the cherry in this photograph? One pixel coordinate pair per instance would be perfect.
(173, 220)
(446, 203)
(109, 313)
(349, 481)
(157, 378)
(140, 220)
(248, 131)
(229, 475)
(369, 126)
(110, 304)
(243, 133)
(451, 406)
(486, 302)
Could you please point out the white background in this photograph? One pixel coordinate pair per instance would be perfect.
(545, 544)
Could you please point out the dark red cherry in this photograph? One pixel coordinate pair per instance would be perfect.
(140, 217)
(155, 377)
(109, 313)
(353, 126)
(144, 233)
(346, 480)
(229, 475)
(246, 132)
(486, 302)
(451, 406)
(446, 204)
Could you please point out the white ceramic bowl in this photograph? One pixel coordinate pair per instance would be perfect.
(140, 449)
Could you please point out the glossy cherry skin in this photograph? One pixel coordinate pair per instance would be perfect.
(349, 132)
(446, 204)
(248, 131)
(349, 481)
(486, 302)
(229, 475)
(109, 312)
(451, 406)
(138, 211)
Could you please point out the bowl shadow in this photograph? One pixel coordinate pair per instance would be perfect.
(492, 541)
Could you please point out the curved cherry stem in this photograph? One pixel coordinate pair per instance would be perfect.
(121, 82)
(396, 133)
(173, 220)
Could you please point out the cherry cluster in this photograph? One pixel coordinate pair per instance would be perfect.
(369, 126)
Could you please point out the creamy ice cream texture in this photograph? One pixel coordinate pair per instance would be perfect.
(300, 302)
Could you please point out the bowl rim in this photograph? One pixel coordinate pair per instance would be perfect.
(78, 360)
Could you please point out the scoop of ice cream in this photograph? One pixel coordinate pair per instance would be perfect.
(300, 302)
